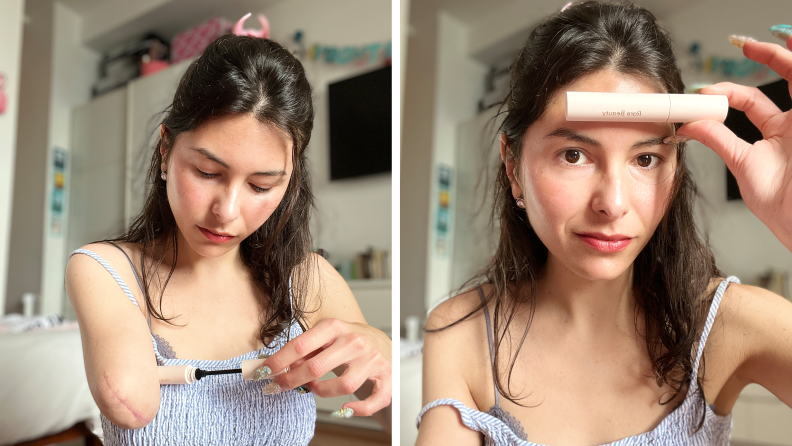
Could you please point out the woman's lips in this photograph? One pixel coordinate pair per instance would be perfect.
(217, 238)
(605, 243)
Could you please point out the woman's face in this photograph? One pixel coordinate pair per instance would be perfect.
(595, 192)
(225, 179)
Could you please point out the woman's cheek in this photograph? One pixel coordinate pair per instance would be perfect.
(554, 199)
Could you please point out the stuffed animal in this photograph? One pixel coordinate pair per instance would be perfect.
(263, 33)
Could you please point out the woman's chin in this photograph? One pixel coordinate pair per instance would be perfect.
(601, 269)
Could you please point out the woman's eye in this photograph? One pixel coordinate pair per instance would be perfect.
(647, 161)
(204, 174)
(258, 189)
(573, 156)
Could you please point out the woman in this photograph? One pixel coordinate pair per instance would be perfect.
(595, 318)
(218, 265)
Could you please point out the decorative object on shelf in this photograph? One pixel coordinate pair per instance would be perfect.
(193, 42)
(775, 281)
(371, 264)
(58, 187)
(263, 33)
(378, 52)
(3, 100)
(121, 65)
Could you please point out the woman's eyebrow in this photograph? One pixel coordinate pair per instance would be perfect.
(212, 157)
(572, 135)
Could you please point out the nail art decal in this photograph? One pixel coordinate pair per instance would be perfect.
(261, 373)
(739, 41)
(676, 139)
(302, 389)
(343, 413)
(781, 31)
(271, 389)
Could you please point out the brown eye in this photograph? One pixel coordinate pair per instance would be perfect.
(572, 156)
(645, 160)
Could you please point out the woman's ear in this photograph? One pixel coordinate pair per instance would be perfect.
(511, 163)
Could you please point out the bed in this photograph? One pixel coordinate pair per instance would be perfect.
(43, 390)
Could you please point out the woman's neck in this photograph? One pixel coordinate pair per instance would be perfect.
(191, 263)
(586, 305)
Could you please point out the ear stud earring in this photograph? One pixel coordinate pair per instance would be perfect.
(521, 203)
(164, 176)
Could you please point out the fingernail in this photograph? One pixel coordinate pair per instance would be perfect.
(739, 41)
(261, 373)
(343, 413)
(302, 389)
(781, 31)
(676, 139)
(696, 88)
(271, 388)
(263, 356)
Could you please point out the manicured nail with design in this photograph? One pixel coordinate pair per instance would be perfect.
(782, 31)
(739, 41)
(676, 139)
(696, 88)
(271, 388)
(343, 413)
(302, 389)
(261, 373)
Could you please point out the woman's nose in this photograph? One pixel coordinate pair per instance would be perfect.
(611, 194)
(226, 206)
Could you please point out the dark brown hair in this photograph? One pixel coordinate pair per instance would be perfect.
(241, 75)
(672, 273)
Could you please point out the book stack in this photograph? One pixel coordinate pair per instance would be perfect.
(370, 264)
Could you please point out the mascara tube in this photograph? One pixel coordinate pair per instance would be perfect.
(176, 374)
(645, 107)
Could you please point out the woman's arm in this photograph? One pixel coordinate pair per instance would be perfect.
(119, 358)
(451, 357)
(338, 339)
(760, 329)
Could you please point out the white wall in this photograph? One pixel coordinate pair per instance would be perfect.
(742, 244)
(355, 213)
(459, 87)
(11, 16)
(74, 70)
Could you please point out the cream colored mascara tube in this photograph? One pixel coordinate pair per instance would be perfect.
(176, 374)
(645, 107)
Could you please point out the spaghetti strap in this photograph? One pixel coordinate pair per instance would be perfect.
(137, 278)
(491, 349)
(112, 272)
(716, 300)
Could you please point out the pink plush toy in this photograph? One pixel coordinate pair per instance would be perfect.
(2, 94)
(263, 33)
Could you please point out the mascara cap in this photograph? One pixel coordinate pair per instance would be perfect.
(696, 107)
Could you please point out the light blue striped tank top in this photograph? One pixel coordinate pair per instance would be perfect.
(677, 429)
(218, 409)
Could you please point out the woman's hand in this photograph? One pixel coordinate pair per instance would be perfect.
(764, 169)
(361, 352)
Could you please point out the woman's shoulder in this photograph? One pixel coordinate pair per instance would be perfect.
(454, 311)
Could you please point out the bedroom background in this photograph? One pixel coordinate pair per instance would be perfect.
(72, 142)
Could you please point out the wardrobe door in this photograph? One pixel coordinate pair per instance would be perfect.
(148, 99)
(98, 156)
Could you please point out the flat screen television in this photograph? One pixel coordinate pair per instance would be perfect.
(737, 122)
(360, 125)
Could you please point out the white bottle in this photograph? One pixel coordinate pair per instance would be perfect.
(28, 303)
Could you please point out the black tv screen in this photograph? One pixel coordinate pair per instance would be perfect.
(738, 122)
(360, 125)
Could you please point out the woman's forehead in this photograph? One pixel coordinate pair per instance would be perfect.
(607, 81)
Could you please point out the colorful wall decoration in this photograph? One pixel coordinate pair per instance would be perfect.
(730, 67)
(342, 55)
(58, 187)
(443, 204)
